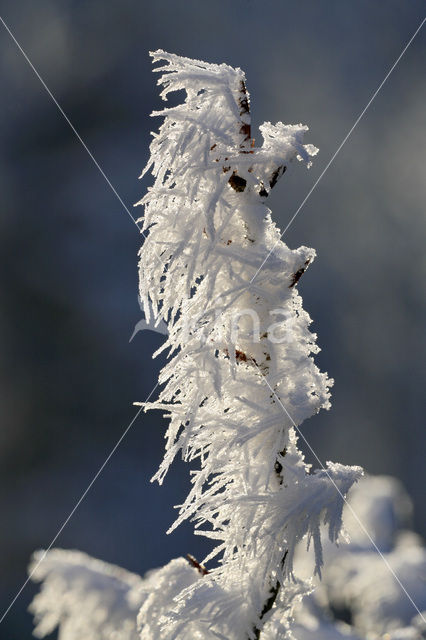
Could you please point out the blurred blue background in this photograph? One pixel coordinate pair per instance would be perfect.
(69, 253)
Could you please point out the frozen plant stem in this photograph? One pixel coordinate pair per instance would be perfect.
(253, 493)
(240, 376)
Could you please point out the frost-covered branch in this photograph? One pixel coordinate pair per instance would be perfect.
(239, 351)
(206, 213)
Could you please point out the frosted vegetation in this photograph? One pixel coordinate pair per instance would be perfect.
(357, 585)
(356, 599)
(239, 380)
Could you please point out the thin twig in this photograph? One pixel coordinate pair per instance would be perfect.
(194, 563)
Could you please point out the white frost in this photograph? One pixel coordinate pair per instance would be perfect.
(361, 582)
(84, 597)
(234, 398)
(209, 232)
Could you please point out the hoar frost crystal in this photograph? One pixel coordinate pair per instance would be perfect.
(234, 398)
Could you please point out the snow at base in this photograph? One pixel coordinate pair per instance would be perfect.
(89, 599)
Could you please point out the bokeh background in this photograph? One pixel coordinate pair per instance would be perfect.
(69, 253)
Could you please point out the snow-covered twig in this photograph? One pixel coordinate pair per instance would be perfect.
(227, 335)
(206, 210)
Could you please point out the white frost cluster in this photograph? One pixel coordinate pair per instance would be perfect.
(233, 401)
(361, 585)
(84, 597)
(89, 599)
(234, 398)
